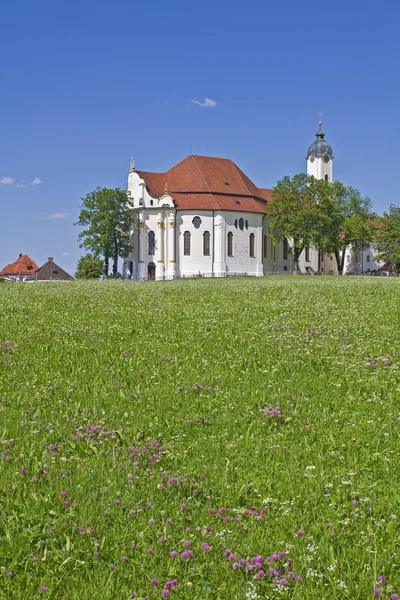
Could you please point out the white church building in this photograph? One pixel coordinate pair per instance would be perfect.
(205, 217)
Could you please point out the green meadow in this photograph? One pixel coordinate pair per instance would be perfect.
(206, 439)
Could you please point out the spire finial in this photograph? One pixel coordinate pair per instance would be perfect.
(166, 188)
(320, 119)
(132, 165)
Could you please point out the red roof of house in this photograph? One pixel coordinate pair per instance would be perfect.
(208, 183)
(24, 265)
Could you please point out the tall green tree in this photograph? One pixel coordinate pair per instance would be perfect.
(298, 212)
(89, 266)
(105, 214)
(351, 221)
(388, 238)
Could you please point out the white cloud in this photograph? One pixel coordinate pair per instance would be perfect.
(7, 180)
(208, 103)
(21, 184)
(36, 181)
(66, 253)
(59, 215)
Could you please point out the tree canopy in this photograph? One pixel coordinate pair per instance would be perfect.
(352, 221)
(89, 266)
(313, 212)
(105, 214)
(298, 212)
(388, 238)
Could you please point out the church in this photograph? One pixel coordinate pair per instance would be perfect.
(205, 218)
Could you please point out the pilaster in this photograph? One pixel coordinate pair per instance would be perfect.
(160, 247)
(141, 267)
(219, 246)
(171, 274)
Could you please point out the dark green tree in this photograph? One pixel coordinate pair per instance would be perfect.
(89, 266)
(298, 212)
(106, 216)
(388, 238)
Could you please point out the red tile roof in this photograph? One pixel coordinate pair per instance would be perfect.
(22, 266)
(208, 183)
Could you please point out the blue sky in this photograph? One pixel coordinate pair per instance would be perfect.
(85, 85)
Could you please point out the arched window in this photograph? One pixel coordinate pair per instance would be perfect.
(206, 243)
(236, 223)
(307, 254)
(265, 246)
(285, 249)
(152, 243)
(246, 224)
(326, 178)
(230, 243)
(186, 243)
(241, 224)
(252, 239)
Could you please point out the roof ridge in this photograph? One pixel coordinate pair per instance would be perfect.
(199, 170)
(240, 173)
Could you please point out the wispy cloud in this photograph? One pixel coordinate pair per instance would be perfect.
(208, 103)
(21, 184)
(36, 181)
(66, 253)
(59, 215)
(7, 180)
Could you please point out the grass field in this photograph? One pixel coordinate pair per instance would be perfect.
(208, 439)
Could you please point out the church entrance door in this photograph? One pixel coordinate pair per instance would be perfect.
(151, 271)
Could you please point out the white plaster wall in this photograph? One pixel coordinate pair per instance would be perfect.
(196, 263)
(319, 168)
(241, 262)
(356, 261)
(310, 266)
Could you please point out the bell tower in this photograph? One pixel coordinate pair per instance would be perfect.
(320, 157)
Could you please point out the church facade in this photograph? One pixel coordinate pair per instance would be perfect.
(205, 217)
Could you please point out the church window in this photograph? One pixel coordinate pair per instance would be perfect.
(197, 222)
(236, 223)
(246, 224)
(307, 254)
(265, 246)
(230, 243)
(241, 224)
(186, 243)
(252, 239)
(285, 249)
(151, 202)
(152, 243)
(326, 178)
(206, 243)
(368, 258)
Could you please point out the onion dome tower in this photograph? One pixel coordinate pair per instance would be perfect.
(320, 157)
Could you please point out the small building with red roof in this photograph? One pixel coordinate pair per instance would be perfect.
(20, 269)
